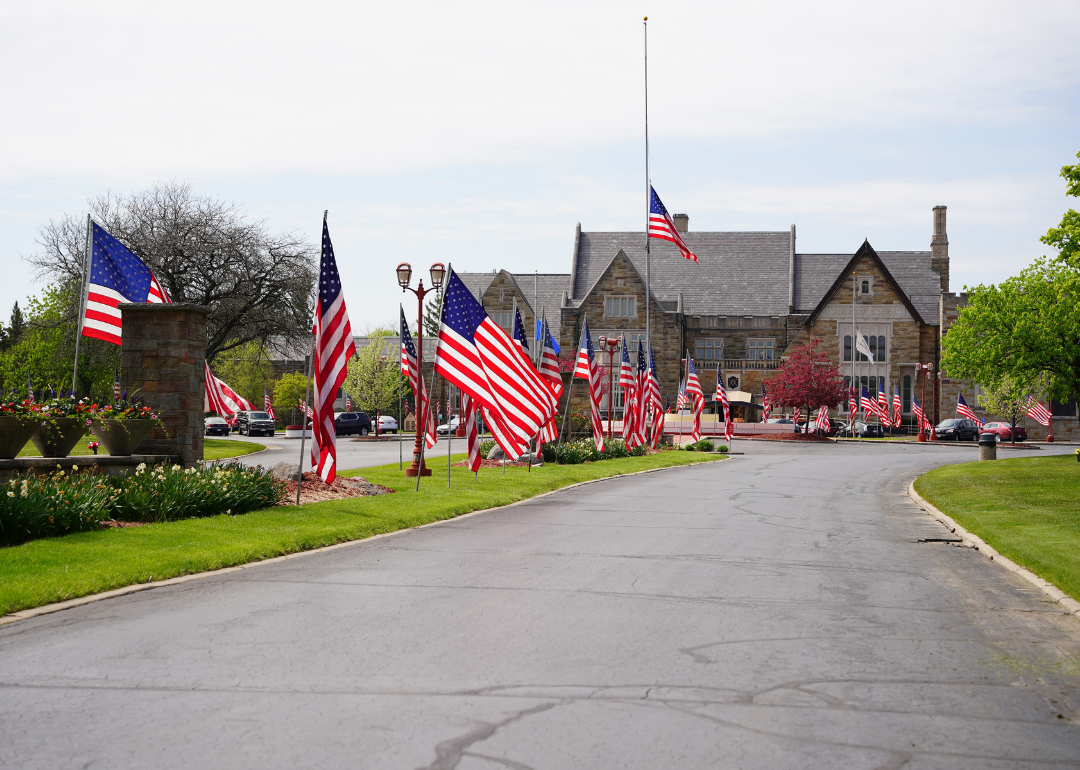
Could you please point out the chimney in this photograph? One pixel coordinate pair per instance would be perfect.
(682, 222)
(939, 248)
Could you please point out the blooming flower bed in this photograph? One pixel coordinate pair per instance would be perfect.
(60, 503)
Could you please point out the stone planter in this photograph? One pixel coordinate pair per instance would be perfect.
(121, 437)
(58, 437)
(14, 433)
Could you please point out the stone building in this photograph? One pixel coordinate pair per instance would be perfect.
(751, 297)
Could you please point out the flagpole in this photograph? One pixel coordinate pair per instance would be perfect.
(449, 396)
(307, 396)
(648, 200)
(400, 423)
(420, 378)
(854, 354)
(82, 305)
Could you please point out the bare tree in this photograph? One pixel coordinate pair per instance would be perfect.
(257, 284)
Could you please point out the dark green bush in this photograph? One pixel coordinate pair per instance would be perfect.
(584, 450)
(722, 448)
(705, 445)
(59, 503)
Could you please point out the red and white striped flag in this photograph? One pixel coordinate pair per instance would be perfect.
(920, 415)
(883, 403)
(663, 227)
(348, 403)
(478, 357)
(697, 396)
(797, 415)
(268, 405)
(897, 408)
(1036, 411)
(549, 361)
(766, 407)
(871, 407)
(306, 409)
(334, 347)
(468, 409)
(588, 368)
(964, 410)
(821, 422)
(853, 408)
(655, 402)
(721, 396)
(220, 398)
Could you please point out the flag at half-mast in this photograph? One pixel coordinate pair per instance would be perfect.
(333, 348)
(116, 276)
(481, 359)
(663, 227)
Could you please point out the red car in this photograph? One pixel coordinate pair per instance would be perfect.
(1004, 431)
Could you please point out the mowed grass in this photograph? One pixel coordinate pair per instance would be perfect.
(221, 448)
(56, 569)
(1027, 508)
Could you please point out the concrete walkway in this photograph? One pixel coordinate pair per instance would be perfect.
(790, 608)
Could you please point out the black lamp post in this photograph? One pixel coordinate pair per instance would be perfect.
(404, 275)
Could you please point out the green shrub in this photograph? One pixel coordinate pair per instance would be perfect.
(706, 445)
(485, 447)
(690, 448)
(53, 504)
(722, 448)
(584, 450)
(169, 492)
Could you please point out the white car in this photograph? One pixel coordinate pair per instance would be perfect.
(387, 424)
(442, 429)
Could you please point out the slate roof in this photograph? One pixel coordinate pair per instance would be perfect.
(737, 273)
(549, 291)
(815, 273)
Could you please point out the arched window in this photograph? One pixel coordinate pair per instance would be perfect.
(865, 287)
(847, 347)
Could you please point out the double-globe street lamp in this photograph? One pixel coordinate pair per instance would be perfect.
(404, 275)
(928, 370)
(611, 344)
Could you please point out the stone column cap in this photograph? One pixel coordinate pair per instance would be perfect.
(164, 306)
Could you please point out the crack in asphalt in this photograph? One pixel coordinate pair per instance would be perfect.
(448, 753)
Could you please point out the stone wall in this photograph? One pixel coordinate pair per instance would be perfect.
(162, 357)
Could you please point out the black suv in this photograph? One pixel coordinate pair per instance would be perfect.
(957, 430)
(352, 422)
(254, 424)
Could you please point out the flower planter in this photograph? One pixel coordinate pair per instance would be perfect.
(56, 438)
(121, 437)
(14, 433)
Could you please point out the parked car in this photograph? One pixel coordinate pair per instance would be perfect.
(387, 424)
(862, 429)
(957, 429)
(442, 429)
(215, 426)
(780, 421)
(352, 422)
(1004, 431)
(254, 424)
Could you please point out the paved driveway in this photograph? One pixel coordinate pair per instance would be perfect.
(352, 453)
(777, 610)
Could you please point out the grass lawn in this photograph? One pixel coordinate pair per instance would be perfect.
(1027, 508)
(220, 448)
(55, 569)
(80, 449)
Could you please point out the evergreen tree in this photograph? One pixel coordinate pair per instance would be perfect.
(17, 325)
(431, 315)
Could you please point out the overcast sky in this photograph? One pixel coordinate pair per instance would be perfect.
(481, 132)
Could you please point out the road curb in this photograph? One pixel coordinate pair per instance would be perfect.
(48, 609)
(1070, 605)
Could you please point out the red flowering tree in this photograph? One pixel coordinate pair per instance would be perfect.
(807, 379)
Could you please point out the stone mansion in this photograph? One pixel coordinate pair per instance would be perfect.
(752, 297)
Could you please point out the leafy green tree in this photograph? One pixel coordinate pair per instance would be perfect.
(289, 390)
(374, 381)
(1066, 236)
(1007, 398)
(1024, 327)
(245, 369)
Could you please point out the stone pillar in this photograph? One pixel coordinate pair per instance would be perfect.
(162, 358)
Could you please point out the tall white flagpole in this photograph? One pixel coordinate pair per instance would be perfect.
(648, 201)
(307, 386)
(82, 304)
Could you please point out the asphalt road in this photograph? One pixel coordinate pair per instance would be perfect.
(777, 610)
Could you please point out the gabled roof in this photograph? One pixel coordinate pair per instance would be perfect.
(549, 288)
(910, 271)
(740, 273)
(664, 305)
(867, 251)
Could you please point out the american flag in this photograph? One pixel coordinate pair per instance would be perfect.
(721, 396)
(628, 383)
(587, 363)
(1036, 411)
(268, 405)
(870, 406)
(661, 226)
(655, 401)
(220, 398)
(479, 358)
(897, 408)
(520, 336)
(334, 347)
(468, 409)
(821, 422)
(766, 408)
(549, 361)
(797, 416)
(683, 399)
(964, 410)
(116, 275)
(306, 409)
(697, 396)
(410, 367)
(883, 403)
(920, 415)
(116, 386)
